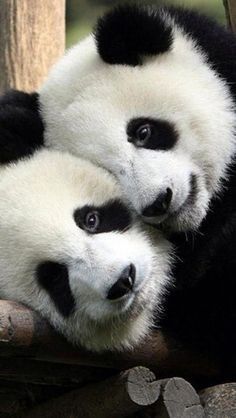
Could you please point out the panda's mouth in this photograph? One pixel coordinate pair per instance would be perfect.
(129, 305)
(175, 217)
(174, 214)
(190, 199)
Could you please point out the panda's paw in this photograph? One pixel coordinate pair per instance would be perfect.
(21, 126)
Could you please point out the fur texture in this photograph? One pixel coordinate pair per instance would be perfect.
(64, 270)
(191, 86)
(88, 106)
(143, 33)
(21, 129)
(200, 312)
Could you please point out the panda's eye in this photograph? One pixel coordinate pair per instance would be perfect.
(113, 215)
(142, 134)
(154, 134)
(92, 221)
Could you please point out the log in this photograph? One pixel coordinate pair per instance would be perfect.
(178, 399)
(12, 400)
(16, 398)
(53, 374)
(32, 34)
(230, 8)
(118, 397)
(24, 333)
(219, 401)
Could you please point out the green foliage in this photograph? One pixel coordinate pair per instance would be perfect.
(82, 14)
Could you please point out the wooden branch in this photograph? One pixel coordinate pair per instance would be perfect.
(24, 333)
(54, 374)
(18, 397)
(118, 397)
(178, 399)
(32, 37)
(219, 401)
(11, 400)
(129, 393)
(230, 8)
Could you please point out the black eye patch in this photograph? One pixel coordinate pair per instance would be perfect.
(54, 278)
(112, 216)
(155, 134)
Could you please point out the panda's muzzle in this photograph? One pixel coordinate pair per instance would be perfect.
(160, 205)
(124, 284)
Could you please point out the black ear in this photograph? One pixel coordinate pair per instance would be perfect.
(129, 32)
(21, 126)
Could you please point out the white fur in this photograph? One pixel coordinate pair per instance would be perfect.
(87, 104)
(38, 198)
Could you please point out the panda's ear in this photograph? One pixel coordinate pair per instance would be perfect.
(126, 34)
(21, 126)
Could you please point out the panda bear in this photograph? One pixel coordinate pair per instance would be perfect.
(152, 104)
(71, 249)
(150, 96)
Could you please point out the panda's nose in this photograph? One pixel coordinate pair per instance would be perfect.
(160, 206)
(124, 284)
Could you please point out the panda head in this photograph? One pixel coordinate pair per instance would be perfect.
(70, 249)
(139, 98)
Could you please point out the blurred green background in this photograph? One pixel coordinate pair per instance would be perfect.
(81, 15)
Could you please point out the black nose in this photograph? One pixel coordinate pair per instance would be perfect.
(160, 206)
(124, 284)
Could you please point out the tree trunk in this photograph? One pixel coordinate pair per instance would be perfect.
(32, 37)
(230, 7)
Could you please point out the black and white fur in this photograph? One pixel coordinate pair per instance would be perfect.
(166, 68)
(173, 66)
(173, 70)
(53, 259)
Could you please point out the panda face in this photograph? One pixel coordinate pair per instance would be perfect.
(70, 249)
(165, 128)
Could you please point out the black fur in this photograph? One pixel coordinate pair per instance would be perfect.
(114, 216)
(21, 127)
(128, 33)
(163, 133)
(54, 278)
(217, 43)
(201, 312)
(20, 99)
